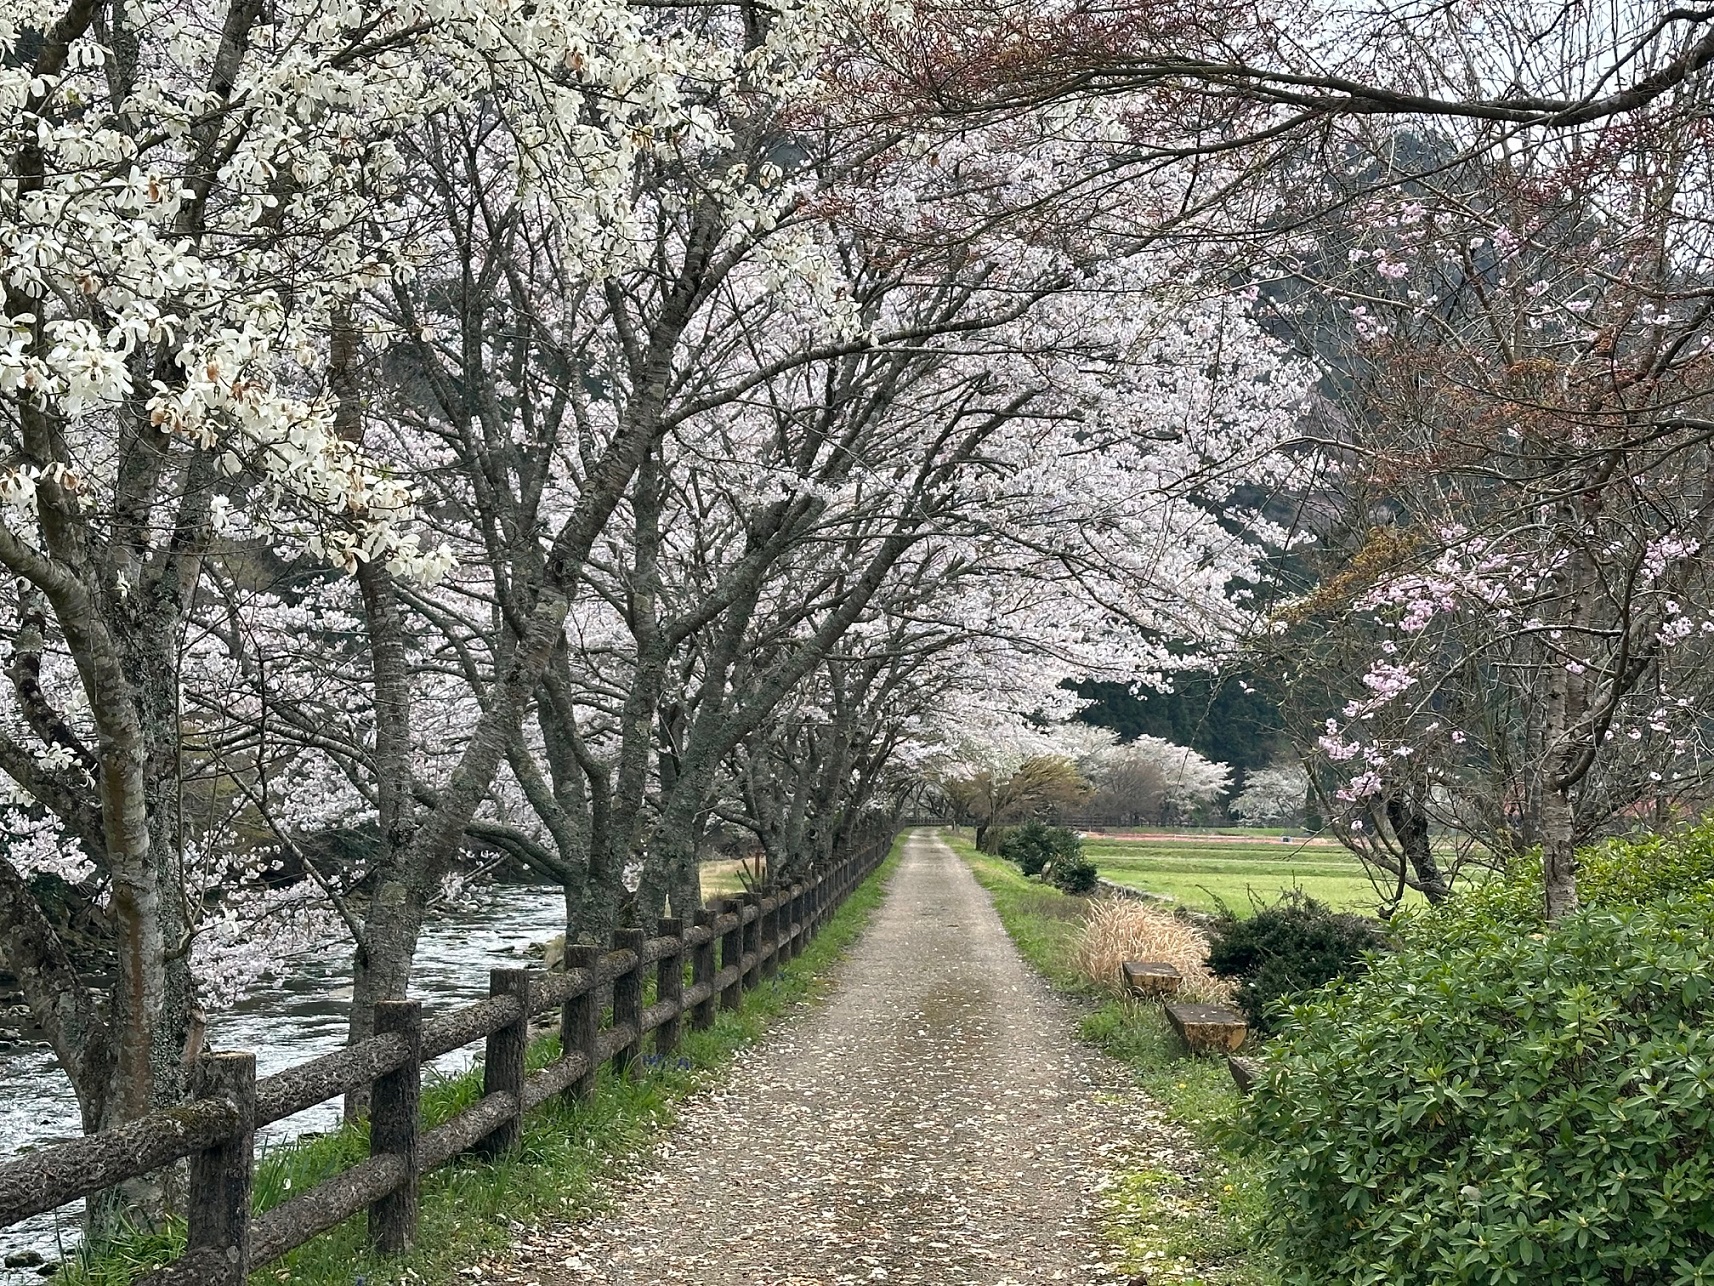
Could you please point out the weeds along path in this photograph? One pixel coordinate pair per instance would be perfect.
(935, 1120)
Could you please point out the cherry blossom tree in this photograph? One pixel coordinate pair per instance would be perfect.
(820, 396)
(193, 213)
(840, 745)
(1524, 596)
(1272, 795)
(1151, 778)
(1010, 774)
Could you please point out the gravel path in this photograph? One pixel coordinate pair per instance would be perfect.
(934, 1120)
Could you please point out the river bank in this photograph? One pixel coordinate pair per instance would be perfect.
(287, 1021)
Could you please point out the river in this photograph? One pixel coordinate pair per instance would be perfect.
(287, 1021)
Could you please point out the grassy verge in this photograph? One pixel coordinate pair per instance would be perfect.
(1172, 1229)
(1239, 832)
(469, 1208)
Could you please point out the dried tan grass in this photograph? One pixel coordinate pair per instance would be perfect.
(1119, 929)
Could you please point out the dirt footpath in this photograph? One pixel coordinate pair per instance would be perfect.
(935, 1120)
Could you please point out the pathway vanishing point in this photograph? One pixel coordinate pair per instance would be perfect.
(934, 1120)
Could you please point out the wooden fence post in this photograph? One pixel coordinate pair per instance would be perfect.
(732, 953)
(796, 917)
(669, 985)
(503, 1060)
(580, 1018)
(753, 940)
(771, 934)
(219, 1197)
(394, 1126)
(702, 970)
(628, 998)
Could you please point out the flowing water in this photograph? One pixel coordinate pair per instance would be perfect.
(286, 1021)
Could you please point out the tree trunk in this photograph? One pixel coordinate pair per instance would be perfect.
(383, 964)
(1410, 825)
(1558, 856)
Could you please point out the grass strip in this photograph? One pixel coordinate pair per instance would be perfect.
(1171, 1229)
(471, 1207)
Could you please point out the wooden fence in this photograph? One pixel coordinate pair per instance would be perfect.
(216, 1129)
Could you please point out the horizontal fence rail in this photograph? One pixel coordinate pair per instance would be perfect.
(734, 945)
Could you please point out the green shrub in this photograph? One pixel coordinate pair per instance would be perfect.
(1294, 946)
(1629, 872)
(1615, 873)
(1074, 873)
(1034, 844)
(1511, 903)
(1533, 1107)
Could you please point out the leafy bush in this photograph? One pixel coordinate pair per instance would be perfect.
(1035, 844)
(1073, 873)
(1510, 903)
(1614, 874)
(1295, 945)
(1629, 872)
(1509, 1108)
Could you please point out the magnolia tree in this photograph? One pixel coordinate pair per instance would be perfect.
(182, 203)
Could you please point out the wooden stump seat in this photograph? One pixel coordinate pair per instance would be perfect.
(1149, 978)
(1207, 1029)
(1244, 1071)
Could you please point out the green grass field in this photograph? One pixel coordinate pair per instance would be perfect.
(1208, 869)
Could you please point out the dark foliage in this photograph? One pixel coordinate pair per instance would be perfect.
(1233, 719)
(1294, 946)
(1034, 844)
(1073, 873)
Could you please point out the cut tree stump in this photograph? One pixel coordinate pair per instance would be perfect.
(1149, 978)
(1244, 1072)
(1207, 1029)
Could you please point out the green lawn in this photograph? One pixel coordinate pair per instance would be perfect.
(1206, 870)
(727, 878)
